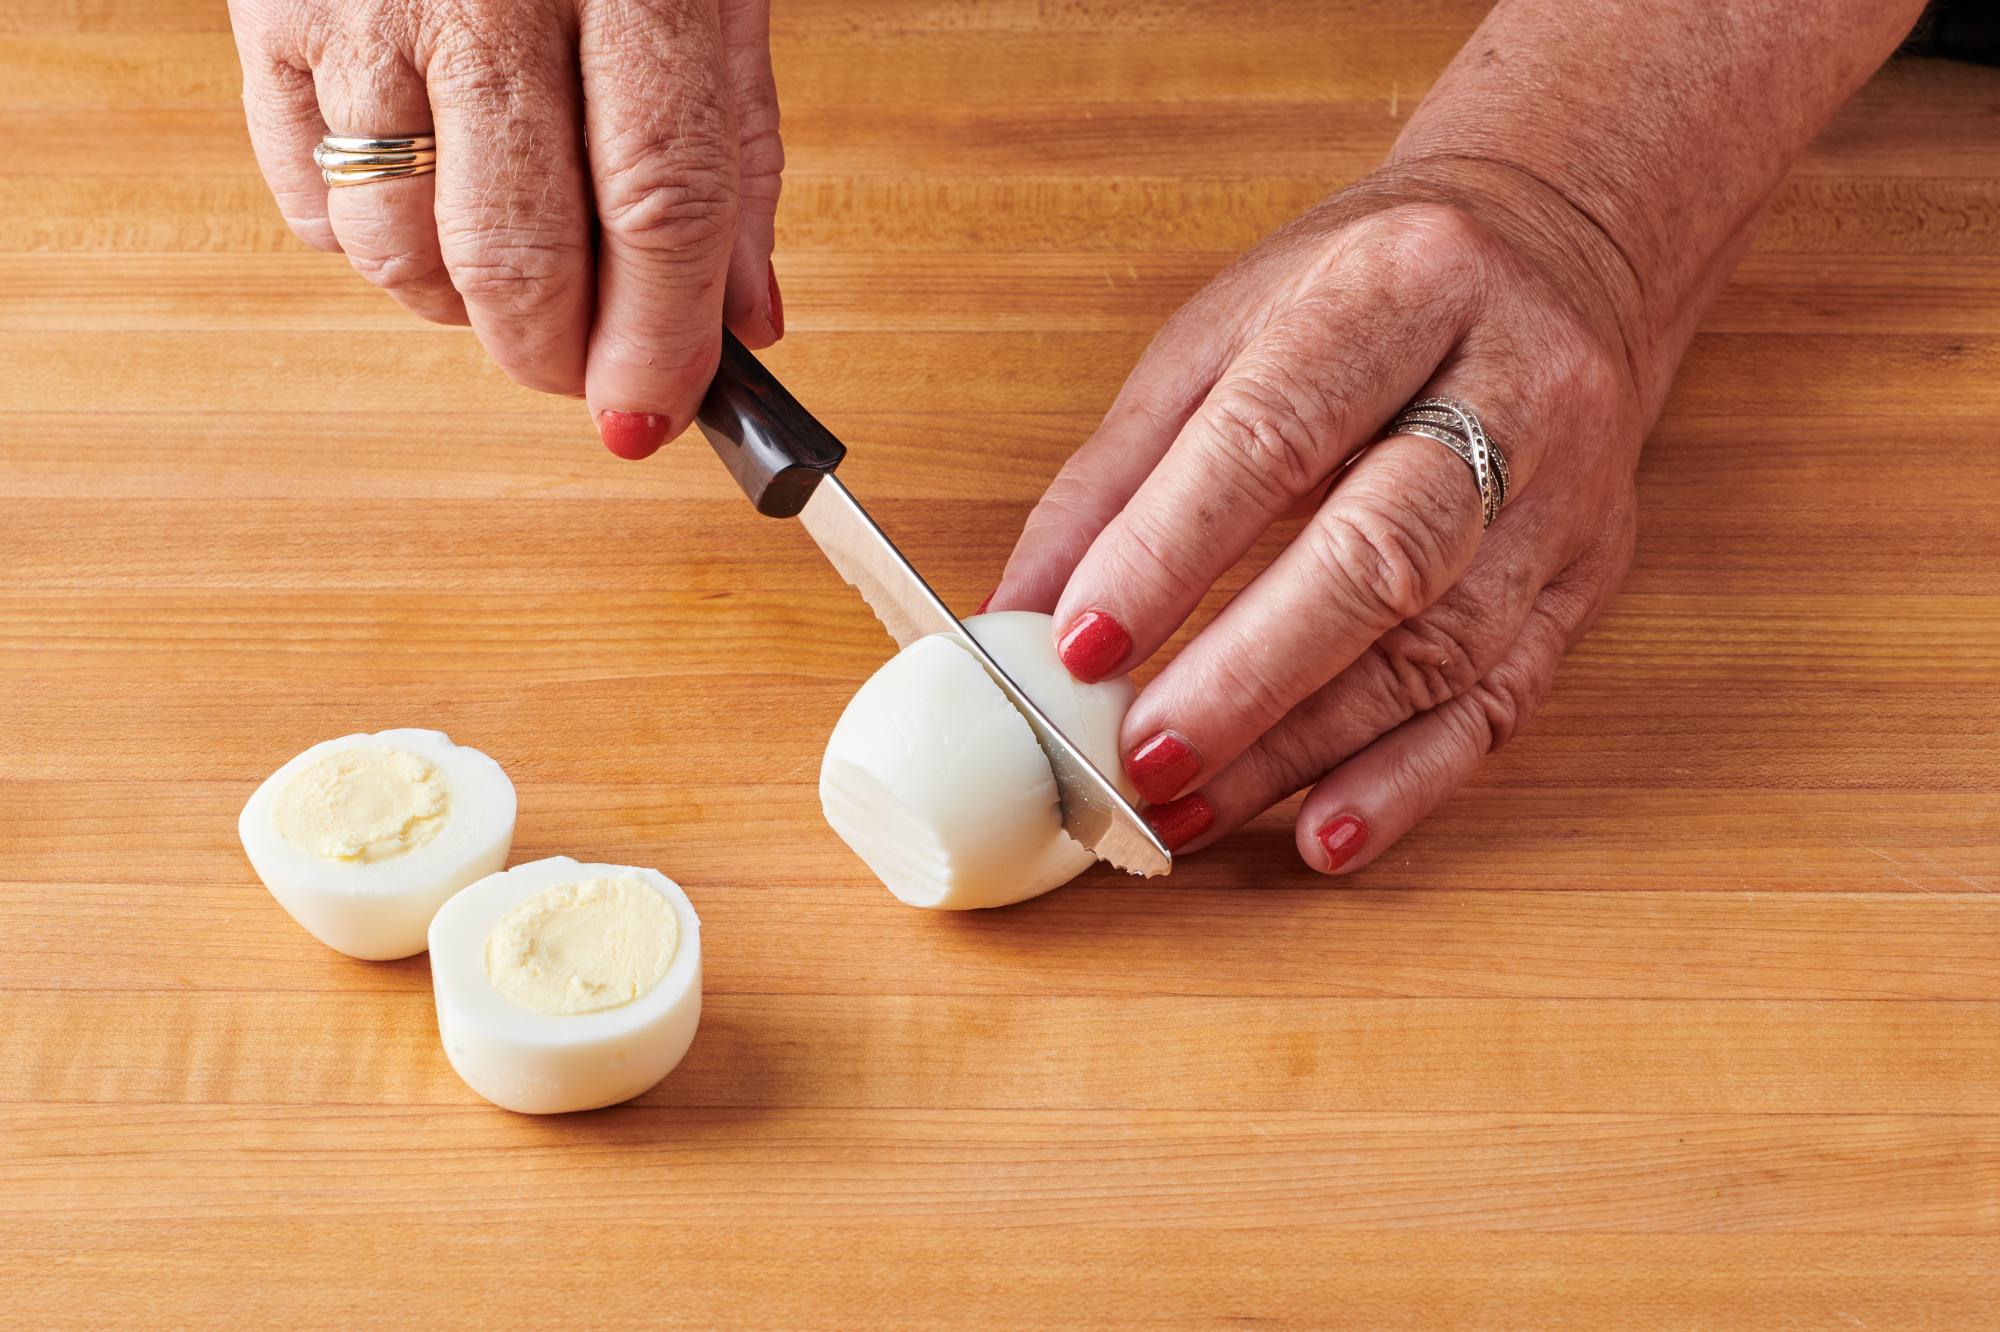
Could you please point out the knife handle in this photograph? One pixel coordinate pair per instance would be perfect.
(774, 447)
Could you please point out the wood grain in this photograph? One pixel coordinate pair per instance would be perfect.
(1685, 1013)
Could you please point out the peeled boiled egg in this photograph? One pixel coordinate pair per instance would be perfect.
(363, 838)
(563, 986)
(937, 782)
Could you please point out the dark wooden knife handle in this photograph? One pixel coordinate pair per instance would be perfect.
(774, 447)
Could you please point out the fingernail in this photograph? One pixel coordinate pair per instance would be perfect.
(1163, 766)
(1181, 821)
(633, 435)
(1093, 646)
(776, 308)
(1342, 838)
(988, 602)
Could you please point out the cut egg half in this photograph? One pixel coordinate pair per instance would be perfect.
(363, 838)
(565, 986)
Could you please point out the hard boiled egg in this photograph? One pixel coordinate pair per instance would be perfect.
(936, 781)
(363, 838)
(564, 986)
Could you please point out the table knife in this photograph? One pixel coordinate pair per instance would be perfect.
(784, 460)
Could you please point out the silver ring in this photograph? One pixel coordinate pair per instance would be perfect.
(357, 159)
(1455, 425)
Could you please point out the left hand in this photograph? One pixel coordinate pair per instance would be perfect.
(1393, 643)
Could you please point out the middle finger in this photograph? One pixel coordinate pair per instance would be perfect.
(513, 212)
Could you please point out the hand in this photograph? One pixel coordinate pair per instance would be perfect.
(1393, 643)
(607, 173)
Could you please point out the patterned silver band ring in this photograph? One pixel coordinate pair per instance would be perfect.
(1455, 425)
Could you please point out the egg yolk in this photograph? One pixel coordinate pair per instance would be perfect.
(363, 805)
(583, 947)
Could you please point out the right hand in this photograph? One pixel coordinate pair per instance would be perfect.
(607, 174)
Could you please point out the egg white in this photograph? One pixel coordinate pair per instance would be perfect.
(381, 910)
(546, 1063)
(937, 782)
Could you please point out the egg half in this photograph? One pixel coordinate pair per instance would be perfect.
(937, 782)
(363, 838)
(565, 986)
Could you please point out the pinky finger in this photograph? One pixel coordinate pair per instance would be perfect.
(1361, 808)
(285, 126)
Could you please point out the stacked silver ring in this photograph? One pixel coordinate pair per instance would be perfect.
(1456, 426)
(355, 159)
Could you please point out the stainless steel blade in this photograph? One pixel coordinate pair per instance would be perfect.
(1093, 812)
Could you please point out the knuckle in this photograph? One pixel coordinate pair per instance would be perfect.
(365, 66)
(1428, 248)
(1501, 704)
(465, 70)
(1593, 376)
(1431, 229)
(1265, 432)
(494, 72)
(1379, 560)
(522, 281)
(761, 165)
(1426, 663)
(1509, 694)
(396, 270)
(1583, 380)
(669, 203)
(1367, 700)
(668, 178)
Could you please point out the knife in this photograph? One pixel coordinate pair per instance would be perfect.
(784, 460)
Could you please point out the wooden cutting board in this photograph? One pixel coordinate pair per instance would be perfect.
(1686, 1014)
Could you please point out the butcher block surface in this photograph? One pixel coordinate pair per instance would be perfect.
(1686, 1013)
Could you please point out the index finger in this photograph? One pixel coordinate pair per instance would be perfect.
(1300, 400)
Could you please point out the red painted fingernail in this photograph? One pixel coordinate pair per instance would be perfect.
(988, 602)
(1181, 821)
(633, 435)
(777, 306)
(1093, 646)
(1163, 766)
(1342, 838)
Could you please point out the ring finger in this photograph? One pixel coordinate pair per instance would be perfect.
(387, 227)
